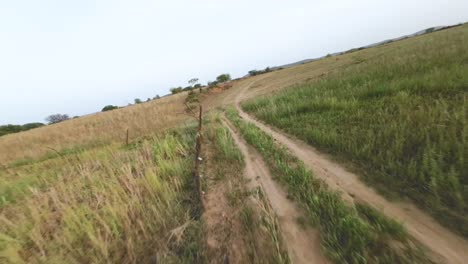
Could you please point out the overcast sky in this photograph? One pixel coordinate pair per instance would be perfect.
(75, 57)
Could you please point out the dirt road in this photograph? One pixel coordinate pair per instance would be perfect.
(445, 245)
(303, 243)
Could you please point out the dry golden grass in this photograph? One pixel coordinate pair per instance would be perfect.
(111, 204)
(106, 127)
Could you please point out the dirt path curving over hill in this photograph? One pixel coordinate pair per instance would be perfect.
(445, 245)
(303, 243)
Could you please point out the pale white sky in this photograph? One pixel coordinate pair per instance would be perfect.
(75, 57)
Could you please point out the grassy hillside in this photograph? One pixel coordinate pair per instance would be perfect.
(349, 233)
(399, 114)
(103, 205)
(92, 130)
(74, 192)
(114, 203)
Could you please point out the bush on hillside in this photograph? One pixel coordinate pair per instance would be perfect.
(109, 108)
(10, 129)
(223, 78)
(57, 118)
(176, 90)
(257, 72)
(212, 84)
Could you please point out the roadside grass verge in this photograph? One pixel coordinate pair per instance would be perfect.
(401, 117)
(349, 234)
(252, 222)
(111, 205)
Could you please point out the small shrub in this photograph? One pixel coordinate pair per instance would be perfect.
(109, 108)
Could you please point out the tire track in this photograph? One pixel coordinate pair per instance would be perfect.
(303, 243)
(446, 247)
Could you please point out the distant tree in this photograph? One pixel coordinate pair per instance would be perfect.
(223, 78)
(75, 117)
(29, 126)
(109, 107)
(429, 30)
(253, 72)
(9, 129)
(212, 84)
(188, 88)
(57, 118)
(149, 99)
(256, 72)
(156, 97)
(138, 101)
(176, 90)
(194, 83)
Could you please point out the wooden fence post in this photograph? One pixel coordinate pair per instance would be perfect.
(126, 141)
(198, 158)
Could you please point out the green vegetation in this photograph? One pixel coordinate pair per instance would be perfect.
(106, 205)
(176, 90)
(401, 116)
(192, 101)
(109, 108)
(10, 129)
(57, 118)
(223, 78)
(349, 234)
(258, 72)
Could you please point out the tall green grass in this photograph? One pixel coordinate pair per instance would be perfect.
(400, 116)
(349, 234)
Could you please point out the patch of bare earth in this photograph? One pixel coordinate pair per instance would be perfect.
(224, 241)
(446, 247)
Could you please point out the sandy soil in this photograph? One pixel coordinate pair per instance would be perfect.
(224, 231)
(303, 243)
(445, 245)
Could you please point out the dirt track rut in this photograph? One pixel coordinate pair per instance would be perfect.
(303, 243)
(445, 245)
